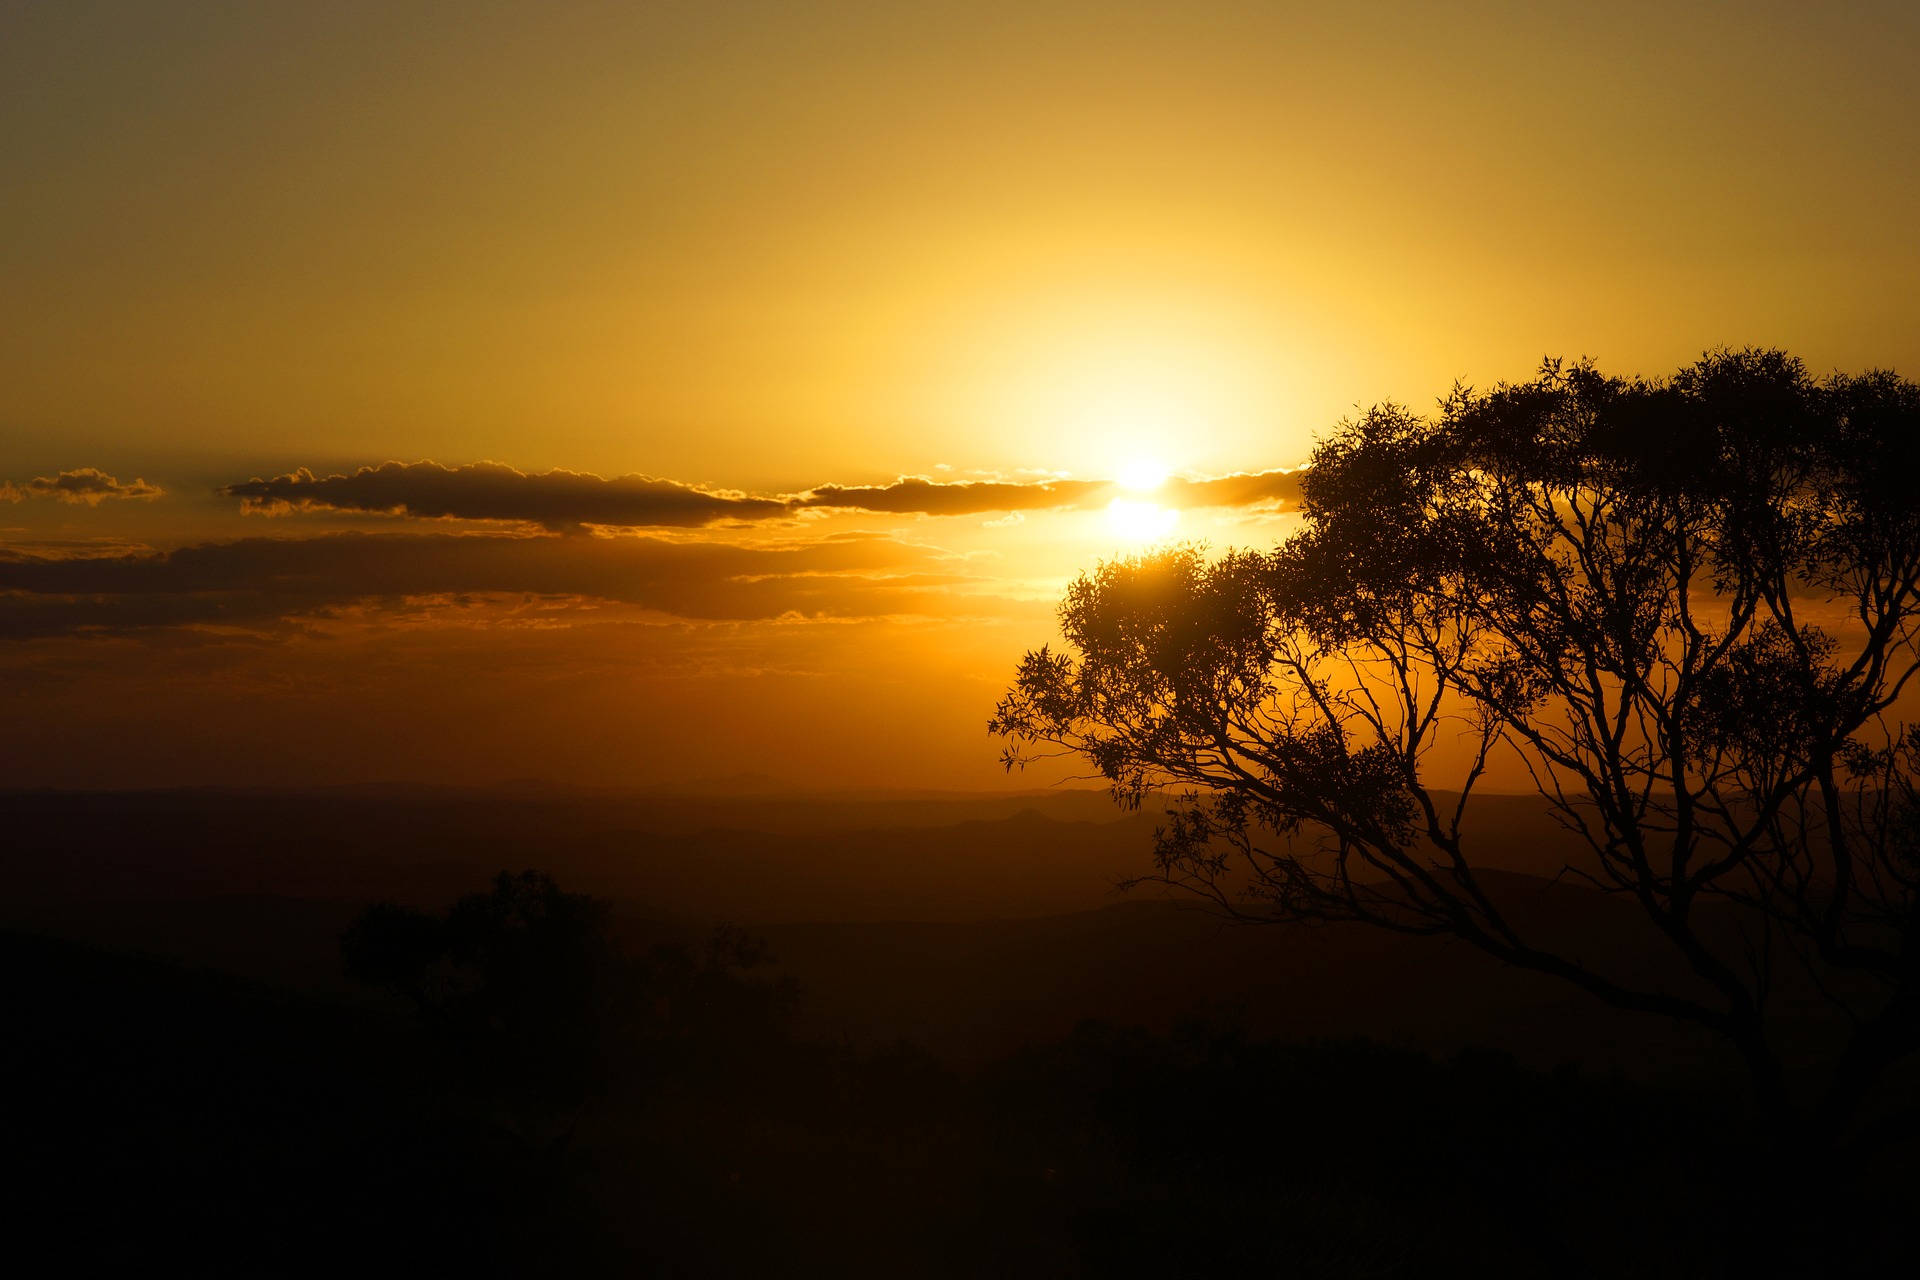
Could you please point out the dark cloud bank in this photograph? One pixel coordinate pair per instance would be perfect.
(555, 500)
(569, 500)
(265, 584)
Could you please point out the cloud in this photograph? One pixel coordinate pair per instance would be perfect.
(553, 500)
(88, 485)
(70, 548)
(917, 495)
(1240, 489)
(568, 500)
(264, 589)
(275, 585)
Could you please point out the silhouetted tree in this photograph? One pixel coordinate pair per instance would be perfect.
(708, 1006)
(1687, 606)
(526, 985)
(521, 981)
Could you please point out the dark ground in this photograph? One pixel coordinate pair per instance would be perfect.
(197, 1084)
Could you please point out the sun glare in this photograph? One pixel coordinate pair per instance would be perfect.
(1141, 521)
(1142, 475)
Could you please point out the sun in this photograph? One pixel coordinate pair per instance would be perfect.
(1137, 519)
(1142, 475)
(1141, 521)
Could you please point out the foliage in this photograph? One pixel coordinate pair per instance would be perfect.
(1686, 607)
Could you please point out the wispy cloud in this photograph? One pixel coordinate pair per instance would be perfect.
(554, 500)
(570, 500)
(1239, 489)
(917, 495)
(87, 486)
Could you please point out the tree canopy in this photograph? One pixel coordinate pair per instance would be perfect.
(1685, 608)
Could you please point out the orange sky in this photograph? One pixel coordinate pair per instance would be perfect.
(768, 251)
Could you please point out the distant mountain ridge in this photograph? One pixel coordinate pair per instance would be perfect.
(967, 923)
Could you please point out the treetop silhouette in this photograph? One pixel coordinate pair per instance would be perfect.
(1686, 606)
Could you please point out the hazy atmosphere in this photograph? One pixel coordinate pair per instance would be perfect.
(933, 640)
(615, 393)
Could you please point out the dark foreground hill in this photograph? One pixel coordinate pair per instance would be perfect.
(173, 1119)
(969, 925)
(198, 1079)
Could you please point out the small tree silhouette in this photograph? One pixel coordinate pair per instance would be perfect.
(521, 982)
(1687, 607)
(524, 983)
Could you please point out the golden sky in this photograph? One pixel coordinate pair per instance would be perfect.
(706, 281)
